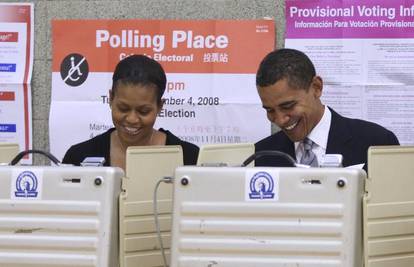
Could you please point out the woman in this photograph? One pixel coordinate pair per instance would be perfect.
(138, 84)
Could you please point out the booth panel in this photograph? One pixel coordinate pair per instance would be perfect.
(389, 207)
(145, 166)
(59, 216)
(8, 151)
(229, 217)
(145, 258)
(229, 154)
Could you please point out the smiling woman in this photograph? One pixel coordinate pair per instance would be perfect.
(138, 84)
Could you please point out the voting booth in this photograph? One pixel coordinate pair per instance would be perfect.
(59, 216)
(389, 207)
(7, 152)
(145, 166)
(267, 217)
(225, 154)
(271, 217)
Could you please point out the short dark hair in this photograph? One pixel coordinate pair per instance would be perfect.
(289, 64)
(140, 70)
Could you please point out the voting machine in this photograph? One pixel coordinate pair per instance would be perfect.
(145, 166)
(59, 216)
(7, 152)
(389, 207)
(225, 154)
(267, 217)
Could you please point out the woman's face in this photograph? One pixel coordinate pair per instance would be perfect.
(134, 110)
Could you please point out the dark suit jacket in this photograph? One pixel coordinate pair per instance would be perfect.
(99, 146)
(349, 137)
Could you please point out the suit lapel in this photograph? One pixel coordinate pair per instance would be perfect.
(280, 142)
(288, 146)
(339, 136)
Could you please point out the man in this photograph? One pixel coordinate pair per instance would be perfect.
(290, 92)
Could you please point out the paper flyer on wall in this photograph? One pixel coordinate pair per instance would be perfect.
(363, 50)
(16, 64)
(210, 64)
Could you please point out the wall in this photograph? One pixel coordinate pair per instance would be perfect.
(47, 10)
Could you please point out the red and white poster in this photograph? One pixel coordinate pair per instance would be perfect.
(16, 64)
(210, 64)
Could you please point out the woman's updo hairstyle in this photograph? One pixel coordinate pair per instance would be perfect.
(139, 70)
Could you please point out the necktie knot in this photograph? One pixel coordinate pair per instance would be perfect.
(307, 144)
(308, 157)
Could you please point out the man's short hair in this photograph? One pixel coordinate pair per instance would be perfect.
(289, 64)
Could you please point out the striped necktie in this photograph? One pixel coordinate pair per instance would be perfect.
(308, 157)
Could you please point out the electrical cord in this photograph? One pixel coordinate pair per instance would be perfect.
(273, 153)
(167, 180)
(19, 156)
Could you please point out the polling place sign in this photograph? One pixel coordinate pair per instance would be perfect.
(210, 64)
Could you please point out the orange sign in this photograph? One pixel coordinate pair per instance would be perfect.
(194, 46)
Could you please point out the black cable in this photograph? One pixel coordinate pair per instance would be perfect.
(260, 154)
(19, 156)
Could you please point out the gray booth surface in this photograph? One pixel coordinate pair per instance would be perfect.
(389, 207)
(267, 217)
(146, 165)
(59, 216)
(227, 154)
(8, 151)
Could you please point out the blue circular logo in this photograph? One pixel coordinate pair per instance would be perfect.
(261, 186)
(26, 185)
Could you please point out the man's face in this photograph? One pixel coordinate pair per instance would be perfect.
(296, 111)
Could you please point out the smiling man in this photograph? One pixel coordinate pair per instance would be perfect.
(290, 92)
